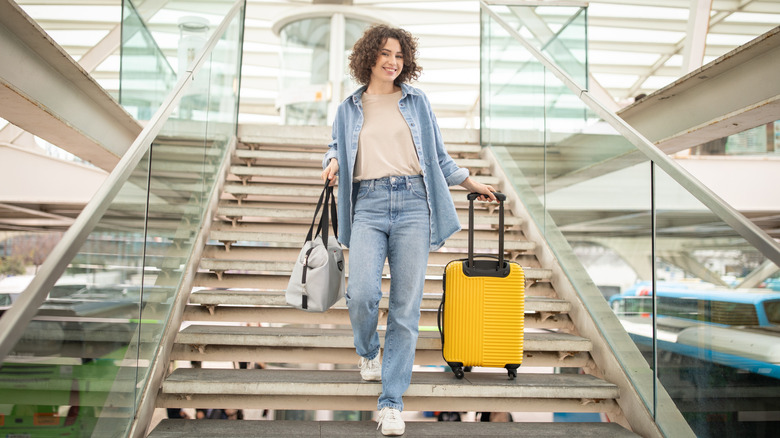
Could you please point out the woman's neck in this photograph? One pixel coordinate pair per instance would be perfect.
(382, 88)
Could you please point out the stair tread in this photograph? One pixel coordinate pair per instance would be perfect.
(347, 383)
(299, 190)
(354, 429)
(296, 240)
(316, 157)
(287, 267)
(321, 135)
(277, 298)
(305, 214)
(311, 173)
(198, 334)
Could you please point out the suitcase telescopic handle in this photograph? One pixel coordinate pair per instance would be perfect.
(501, 198)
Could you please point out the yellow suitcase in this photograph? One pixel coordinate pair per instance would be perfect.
(481, 315)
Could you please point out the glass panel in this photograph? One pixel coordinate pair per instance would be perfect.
(310, 89)
(158, 47)
(528, 114)
(145, 75)
(82, 363)
(513, 105)
(305, 62)
(631, 226)
(760, 141)
(353, 31)
(715, 339)
(560, 32)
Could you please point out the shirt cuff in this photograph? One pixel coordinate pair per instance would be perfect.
(457, 177)
(328, 155)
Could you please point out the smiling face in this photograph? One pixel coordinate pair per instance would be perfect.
(389, 64)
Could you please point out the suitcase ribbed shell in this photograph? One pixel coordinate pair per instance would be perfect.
(483, 317)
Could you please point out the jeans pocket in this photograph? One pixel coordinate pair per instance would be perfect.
(419, 191)
(363, 192)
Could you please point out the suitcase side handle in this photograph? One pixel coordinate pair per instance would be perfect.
(501, 198)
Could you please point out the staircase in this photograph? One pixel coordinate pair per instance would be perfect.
(237, 313)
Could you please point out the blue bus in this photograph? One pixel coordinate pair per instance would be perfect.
(702, 302)
(736, 328)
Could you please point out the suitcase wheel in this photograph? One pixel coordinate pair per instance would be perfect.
(512, 373)
(458, 372)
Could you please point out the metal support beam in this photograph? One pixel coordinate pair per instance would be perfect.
(696, 38)
(687, 263)
(766, 270)
(542, 32)
(736, 92)
(45, 92)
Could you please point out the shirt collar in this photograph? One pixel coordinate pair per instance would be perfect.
(357, 96)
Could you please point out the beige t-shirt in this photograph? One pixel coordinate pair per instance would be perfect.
(385, 145)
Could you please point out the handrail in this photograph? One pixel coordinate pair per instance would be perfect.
(728, 214)
(15, 320)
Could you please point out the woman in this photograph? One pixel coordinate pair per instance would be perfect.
(394, 203)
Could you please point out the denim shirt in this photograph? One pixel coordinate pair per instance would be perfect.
(438, 168)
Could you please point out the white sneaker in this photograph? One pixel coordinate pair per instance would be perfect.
(370, 369)
(391, 422)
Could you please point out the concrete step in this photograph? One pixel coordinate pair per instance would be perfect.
(266, 211)
(309, 337)
(290, 240)
(257, 143)
(179, 151)
(285, 267)
(314, 159)
(429, 391)
(291, 345)
(367, 429)
(300, 229)
(277, 298)
(236, 280)
(289, 251)
(310, 192)
(304, 175)
(321, 135)
(338, 316)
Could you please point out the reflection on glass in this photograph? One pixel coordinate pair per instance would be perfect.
(309, 88)
(305, 61)
(716, 339)
(716, 297)
(762, 140)
(82, 363)
(146, 77)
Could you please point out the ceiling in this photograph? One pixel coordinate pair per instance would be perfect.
(635, 46)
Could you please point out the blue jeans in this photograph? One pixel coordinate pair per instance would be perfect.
(391, 221)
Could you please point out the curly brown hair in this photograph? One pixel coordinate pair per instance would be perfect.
(367, 48)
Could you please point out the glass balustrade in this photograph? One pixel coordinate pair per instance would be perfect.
(82, 363)
(146, 76)
(159, 43)
(691, 291)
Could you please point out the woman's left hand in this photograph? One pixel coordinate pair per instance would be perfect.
(485, 190)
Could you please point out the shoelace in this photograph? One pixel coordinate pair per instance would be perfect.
(371, 364)
(389, 413)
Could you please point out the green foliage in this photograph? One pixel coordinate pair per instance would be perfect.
(12, 265)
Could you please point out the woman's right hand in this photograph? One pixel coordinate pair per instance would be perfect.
(331, 172)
